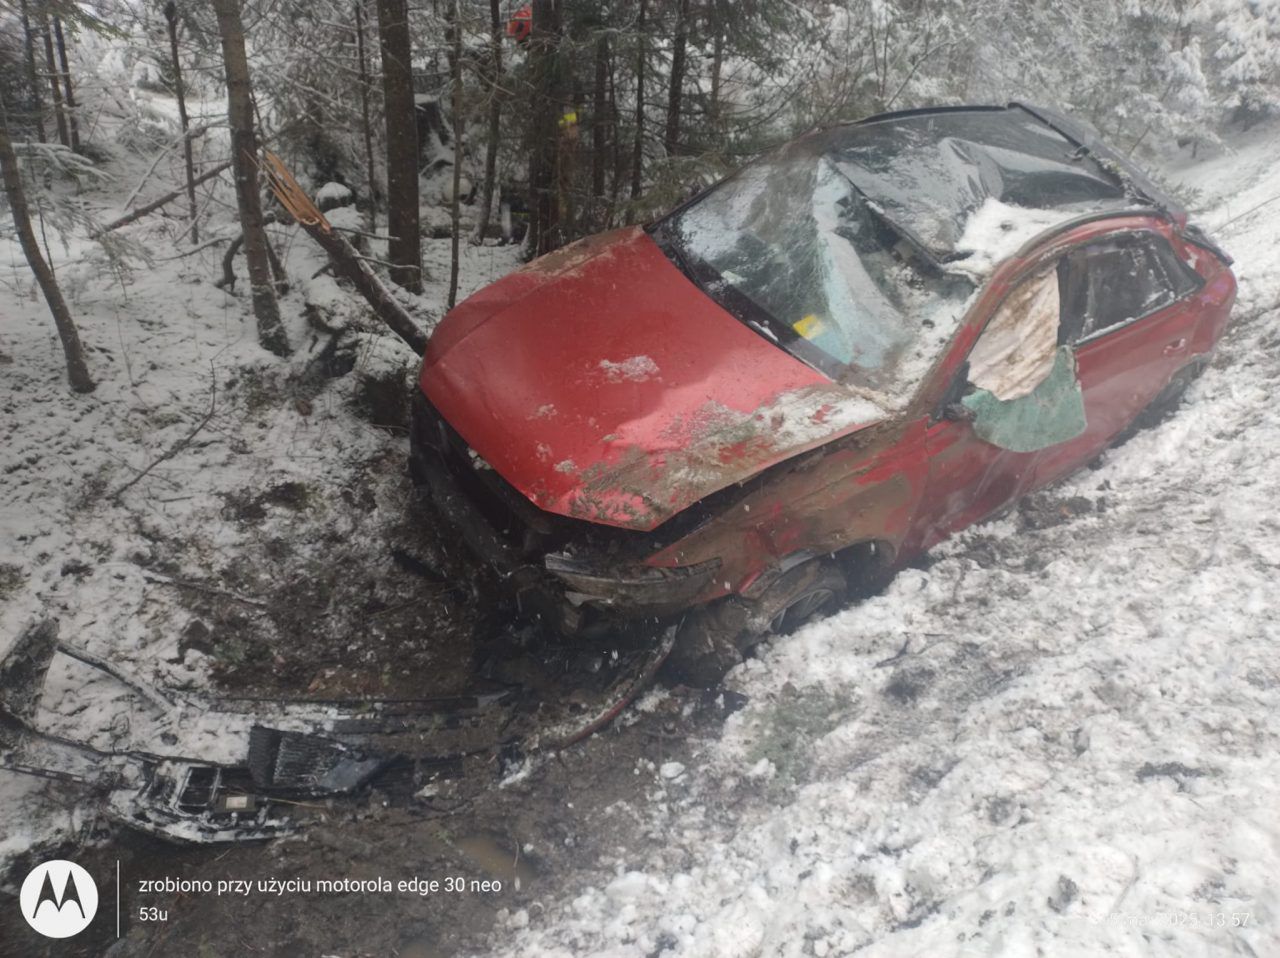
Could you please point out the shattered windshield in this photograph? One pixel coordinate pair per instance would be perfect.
(845, 246)
(791, 247)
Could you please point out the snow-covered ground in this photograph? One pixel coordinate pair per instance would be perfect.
(116, 506)
(1062, 738)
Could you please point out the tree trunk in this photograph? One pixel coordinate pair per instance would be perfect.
(495, 121)
(34, 107)
(244, 153)
(171, 14)
(637, 152)
(405, 246)
(599, 127)
(367, 127)
(344, 257)
(675, 95)
(455, 210)
(545, 72)
(73, 128)
(77, 371)
(64, 137)
(617, 155)
(717, 68)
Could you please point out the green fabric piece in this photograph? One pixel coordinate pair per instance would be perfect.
(1052, 413)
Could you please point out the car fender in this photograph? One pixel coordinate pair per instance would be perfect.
(864, 488)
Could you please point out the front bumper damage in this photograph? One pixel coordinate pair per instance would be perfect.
(635, 590)
(578, 577)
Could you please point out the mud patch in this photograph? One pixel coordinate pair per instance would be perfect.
(1045, 510)
(11, 579)
(909, 684)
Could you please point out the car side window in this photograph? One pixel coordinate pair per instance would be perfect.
(1115, 281)
(1024, 393)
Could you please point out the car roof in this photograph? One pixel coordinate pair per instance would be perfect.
(927, 171)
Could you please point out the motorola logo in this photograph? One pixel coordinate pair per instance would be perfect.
(58, 899)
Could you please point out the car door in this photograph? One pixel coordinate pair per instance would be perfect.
(1129, 314)
(969, 477)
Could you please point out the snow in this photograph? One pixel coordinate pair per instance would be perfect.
(997, 230)
(636, 369)
(335, 194)
(1060, 738)
(166, 348)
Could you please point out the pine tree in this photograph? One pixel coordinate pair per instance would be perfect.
(405, 247)
(244, 153)
(77, 370)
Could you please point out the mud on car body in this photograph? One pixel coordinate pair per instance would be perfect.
(857, 345)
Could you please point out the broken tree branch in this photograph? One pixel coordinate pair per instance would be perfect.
(228, 281)
(347, 261)
(152, 694)
(202, 587)
(141, 211)
(177, 447)
(164, 151)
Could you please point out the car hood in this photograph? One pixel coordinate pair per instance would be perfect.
(604, 385)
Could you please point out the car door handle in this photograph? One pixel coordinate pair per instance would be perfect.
(1174, 347)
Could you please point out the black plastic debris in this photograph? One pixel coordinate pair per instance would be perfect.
(23, 668)
(297, 762)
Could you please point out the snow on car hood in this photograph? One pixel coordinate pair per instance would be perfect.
(604, 385)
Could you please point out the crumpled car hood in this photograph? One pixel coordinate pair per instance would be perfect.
(604, 385)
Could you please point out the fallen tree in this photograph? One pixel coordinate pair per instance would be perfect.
(141, 211)
(347, 261)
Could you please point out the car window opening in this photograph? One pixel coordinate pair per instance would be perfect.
(1026, 395)
(1114, 282)
(1016, 350)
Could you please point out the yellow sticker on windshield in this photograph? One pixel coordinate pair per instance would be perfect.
(810, 327)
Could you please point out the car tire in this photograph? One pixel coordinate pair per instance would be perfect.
(714, 638)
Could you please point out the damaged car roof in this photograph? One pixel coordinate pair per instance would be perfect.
(927, 171)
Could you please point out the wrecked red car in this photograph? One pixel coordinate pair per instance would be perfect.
(785, 389)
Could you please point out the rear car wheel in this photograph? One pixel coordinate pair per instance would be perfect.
(1166, 402)
(714, 638)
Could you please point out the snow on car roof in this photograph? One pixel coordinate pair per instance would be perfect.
(928, 172)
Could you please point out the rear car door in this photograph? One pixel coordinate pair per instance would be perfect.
(1129, 312)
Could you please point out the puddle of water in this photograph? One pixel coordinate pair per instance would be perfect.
(419, 948)
(497, 859)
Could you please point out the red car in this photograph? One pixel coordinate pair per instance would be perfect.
(785, 389)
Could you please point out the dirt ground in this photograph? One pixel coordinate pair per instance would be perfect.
(529, 836)
(373, 603)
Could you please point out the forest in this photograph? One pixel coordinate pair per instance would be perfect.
(555, 119)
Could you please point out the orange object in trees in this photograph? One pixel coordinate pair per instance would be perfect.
(520, 26)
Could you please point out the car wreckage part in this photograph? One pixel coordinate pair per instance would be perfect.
(714, 638)
(332, 752)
